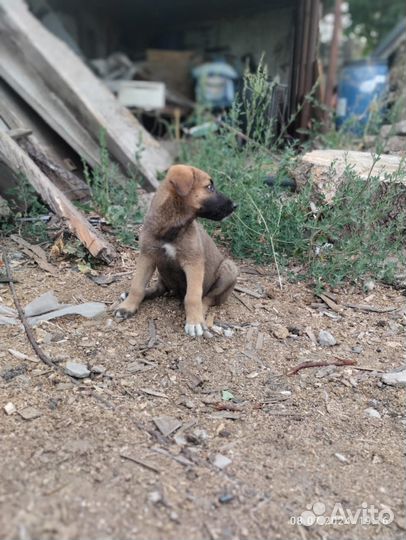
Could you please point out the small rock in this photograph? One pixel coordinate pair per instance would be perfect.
(217, 330)
(280, 332)
(373, 413)
(198, 436)
(173, 516)
(186, 402)
(357, 349)
(155, 497)
(207, 334)
(226, 498)
(79, 371)
(9, 408)
(326, 339)
(30, 413)
(180, 439)
(325, 371)
(9, 374)
(369, 286)
(64, 386)
(98, 370)
(166, 424)
(228, 333)
(395, 378)
(220, 461)
(341, 457)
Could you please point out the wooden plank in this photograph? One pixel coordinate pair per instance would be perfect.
(50, 149)
(13, 157)
(47, 74)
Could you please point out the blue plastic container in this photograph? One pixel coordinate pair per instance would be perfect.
(361, 92)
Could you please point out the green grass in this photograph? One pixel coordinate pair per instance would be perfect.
(24, 203)
(347, 241)
(116, 201)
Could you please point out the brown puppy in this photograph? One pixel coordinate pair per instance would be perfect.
(188, 261)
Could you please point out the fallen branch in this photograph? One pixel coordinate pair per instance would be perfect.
(228, 407)
(21, 164)
(322, 363)
(331, 304)
(372, 309)
(37, 349)
(36, 253)
(242, 301)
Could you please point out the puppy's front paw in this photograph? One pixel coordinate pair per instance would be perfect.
(124, 311)
(194, 330)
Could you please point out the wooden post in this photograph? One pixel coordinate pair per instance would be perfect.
(334, 53)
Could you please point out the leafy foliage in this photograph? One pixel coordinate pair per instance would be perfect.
(372, 19)
(347, 240)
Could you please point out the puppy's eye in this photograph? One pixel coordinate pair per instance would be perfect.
(210, 187)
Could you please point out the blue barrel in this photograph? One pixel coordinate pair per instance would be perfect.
(361, 92)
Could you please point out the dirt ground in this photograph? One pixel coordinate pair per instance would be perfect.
(288, 442)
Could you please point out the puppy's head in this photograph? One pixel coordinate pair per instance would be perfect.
(196, 190)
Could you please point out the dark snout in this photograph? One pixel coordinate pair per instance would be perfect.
(217, 207)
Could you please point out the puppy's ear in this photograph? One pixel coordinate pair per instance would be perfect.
(182, 179)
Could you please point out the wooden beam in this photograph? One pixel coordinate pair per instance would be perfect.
(13, 157)
(10, 114)
(68, 96)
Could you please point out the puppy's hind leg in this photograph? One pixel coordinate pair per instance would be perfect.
(156, 290)
(223, 286)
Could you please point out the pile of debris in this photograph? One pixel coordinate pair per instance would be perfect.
(53, 111)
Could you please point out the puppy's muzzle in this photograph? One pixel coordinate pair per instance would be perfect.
(217, 207)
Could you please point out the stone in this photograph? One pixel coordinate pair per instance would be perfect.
(155, 497)
(395, 378)
(228, 333)
(357, 349)
(9, 408)
(220, 461)
(79, 371)
(280, 332)
(30, 413)
(98, 370)
(341, 457)
(372, 413)
(326, 339)
(166, 424)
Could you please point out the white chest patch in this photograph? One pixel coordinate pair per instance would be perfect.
(170, 250)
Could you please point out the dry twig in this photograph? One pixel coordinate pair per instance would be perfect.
(28, 330)
(322, 363)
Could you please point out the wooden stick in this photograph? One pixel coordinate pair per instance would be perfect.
(38, 351)
(321, 363)
(21, 164)
(248, 291)
(372, 309)
(141, 463)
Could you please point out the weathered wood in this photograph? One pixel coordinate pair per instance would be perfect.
(68, 182)
(63, 90)
(40, 145)
(14, 158)
(326, 169)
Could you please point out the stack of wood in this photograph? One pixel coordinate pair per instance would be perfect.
(53, 110)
